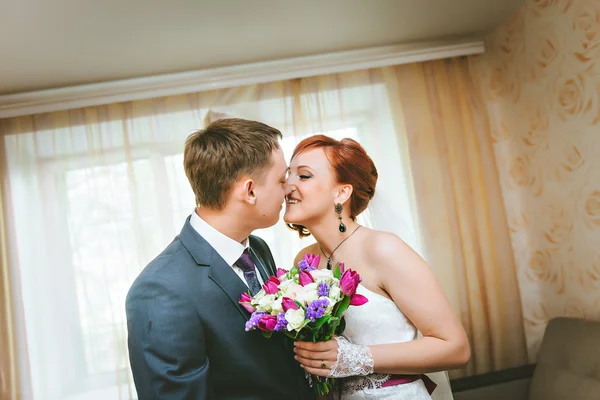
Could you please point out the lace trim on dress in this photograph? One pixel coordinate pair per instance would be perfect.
(368, 383)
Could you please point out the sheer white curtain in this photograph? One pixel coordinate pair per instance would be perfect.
(96, 193)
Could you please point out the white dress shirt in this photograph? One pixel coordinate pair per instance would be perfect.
(226, 247)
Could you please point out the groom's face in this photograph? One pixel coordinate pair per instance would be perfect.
(270, 191)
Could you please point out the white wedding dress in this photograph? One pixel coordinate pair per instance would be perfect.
(379, 321)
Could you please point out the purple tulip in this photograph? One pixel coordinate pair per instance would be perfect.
(312, 260)
(272, 285)
(245, 302)
(267, 323)
(280, 272)
(349, 282)
(288, 304)
(358, 300)
(305, 278)
(341, 268)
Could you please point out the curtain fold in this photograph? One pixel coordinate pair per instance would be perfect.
(459, 202)
(13, 353)
(9, 377)
(97, 192)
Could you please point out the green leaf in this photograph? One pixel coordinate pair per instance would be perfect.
(267, 334)
(330, 328)
(315, 335)
(337, 272)
(340, 328)
(342, 306)
(319, 323)
(291, 335)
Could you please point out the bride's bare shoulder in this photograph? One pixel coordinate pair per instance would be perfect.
(384, 245)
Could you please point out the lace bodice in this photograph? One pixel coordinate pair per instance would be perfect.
(379, 322)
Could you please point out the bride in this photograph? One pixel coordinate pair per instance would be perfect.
(408, 328)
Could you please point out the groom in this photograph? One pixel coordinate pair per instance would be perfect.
(185, 325)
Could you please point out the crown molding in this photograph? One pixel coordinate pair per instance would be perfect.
(49, 100)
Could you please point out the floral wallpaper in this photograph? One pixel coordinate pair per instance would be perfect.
(540, 79)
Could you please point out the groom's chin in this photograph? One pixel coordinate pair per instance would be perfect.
(269, 222)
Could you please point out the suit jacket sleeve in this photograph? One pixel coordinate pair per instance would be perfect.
(166, 343)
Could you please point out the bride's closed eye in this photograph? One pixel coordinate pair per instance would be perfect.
(304, 177)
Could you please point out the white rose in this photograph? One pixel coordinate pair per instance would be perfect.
(330, 305)
(294, 291)
(265, 303)
(276, 306)
(285, 284)
(334, 294)
(310, 297)
(323, 275)
(295, 319)
(310, 293)
(257, 298)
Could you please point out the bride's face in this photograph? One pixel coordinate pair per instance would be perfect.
(311, 188)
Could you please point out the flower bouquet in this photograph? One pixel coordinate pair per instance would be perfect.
(305, 304)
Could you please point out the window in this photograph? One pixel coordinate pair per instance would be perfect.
(94, 203)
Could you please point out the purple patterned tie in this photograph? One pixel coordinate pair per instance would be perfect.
(246, 264)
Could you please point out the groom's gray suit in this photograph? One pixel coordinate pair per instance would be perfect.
(186, 330)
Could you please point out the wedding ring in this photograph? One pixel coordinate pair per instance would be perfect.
(323, 365)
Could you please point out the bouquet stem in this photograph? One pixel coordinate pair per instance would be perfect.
(320, 385)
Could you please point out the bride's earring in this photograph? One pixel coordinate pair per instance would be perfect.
(338, 211)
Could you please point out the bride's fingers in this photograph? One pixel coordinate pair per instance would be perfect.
(316, 371)
(317, 346)
(323, 363)
(312, 355)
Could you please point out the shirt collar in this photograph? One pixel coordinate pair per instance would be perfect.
(229, 249)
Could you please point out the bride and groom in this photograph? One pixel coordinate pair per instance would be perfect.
(186, 334)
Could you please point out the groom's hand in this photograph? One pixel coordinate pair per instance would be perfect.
(317, 358)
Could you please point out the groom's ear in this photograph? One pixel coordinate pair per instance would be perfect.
(249, 191)
(343, 194)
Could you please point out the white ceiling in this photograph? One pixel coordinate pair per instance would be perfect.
(57, 43)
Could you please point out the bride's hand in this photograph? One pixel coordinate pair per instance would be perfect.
(317, 358)
(336, 358)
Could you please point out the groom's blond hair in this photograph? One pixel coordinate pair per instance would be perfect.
(215, 157)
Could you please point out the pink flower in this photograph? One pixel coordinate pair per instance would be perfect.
(267, 323)
(245, 302)
(288, 304)
(341, 268)
(280, 272)
(312, 260)
(358, 300)
(305, 278)
(272, 285)
(349, 282)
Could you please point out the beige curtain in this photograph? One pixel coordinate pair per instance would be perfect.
(459, 202)
(97, 192)
(9, 378)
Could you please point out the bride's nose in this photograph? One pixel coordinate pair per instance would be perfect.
(289, 188)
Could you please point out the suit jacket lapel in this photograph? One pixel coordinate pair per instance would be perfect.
(259, 264)
(220, 273)
(223, 275)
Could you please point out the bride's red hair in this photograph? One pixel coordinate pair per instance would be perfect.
(350, 164)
